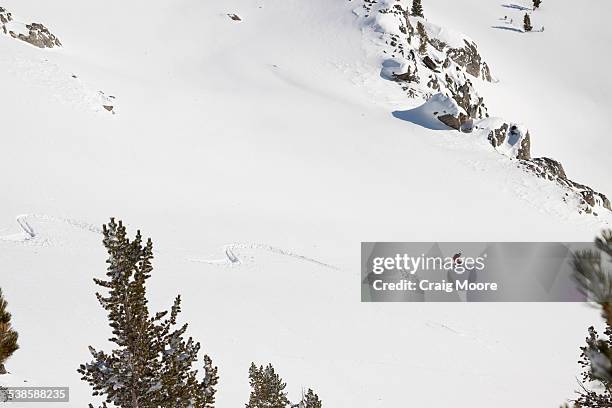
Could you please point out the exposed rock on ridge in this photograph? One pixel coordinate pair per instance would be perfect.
(515, 141)
(440, 67)
(427, 61)
(34, 33)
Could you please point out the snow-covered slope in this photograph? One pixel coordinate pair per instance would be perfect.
(258, 155)
(555, 82)
(445, 69)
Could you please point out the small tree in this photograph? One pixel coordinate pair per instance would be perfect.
(527, 23)
(151, 365)
(8, 336)
(536, 4)
(423, 37)
(310, 400)
(417, 8)
(267, 388)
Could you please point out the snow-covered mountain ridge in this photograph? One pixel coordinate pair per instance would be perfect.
(443, 68)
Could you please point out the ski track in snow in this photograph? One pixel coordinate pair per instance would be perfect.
(491, 345)
(232, 257)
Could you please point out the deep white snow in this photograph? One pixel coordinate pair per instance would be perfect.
(258, 155)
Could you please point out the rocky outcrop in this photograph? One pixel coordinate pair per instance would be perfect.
(5, 18)
(429, 63)
(547, 168)
(512, 140)
(39, 36)
(426, 64)
(34, 33)
(462, 122)
(589, 200)
(407, 76)
(467, 98)
(469, 58)
(450, 121)
(441, 67)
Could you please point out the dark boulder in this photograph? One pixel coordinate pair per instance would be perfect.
(450, 121)
(406, 77)
(429, 63)
(462, 123)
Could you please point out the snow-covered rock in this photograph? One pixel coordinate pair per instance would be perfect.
(440, 66)
(510, 139)
(590, 201)
(514, 141)
(439, 61)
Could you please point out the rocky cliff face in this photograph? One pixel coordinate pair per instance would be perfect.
(590, 201)
(33, 33)
(442, 68)
(513, 140)
(425, 59)
(510, 134)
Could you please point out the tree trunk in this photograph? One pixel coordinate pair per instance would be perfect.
(2, 369)
(607, 312)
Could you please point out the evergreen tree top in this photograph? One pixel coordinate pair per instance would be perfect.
(311, 400)
(152, 363)
(527, 22)
(267, 388)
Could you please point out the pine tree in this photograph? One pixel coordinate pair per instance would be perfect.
(423, 37)
(593, 278)
(267, 388)
(536, 4)
(8, 337)
(310, 400)
(527, 23)
(151, 365)
(417, 8)
(595, 282)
